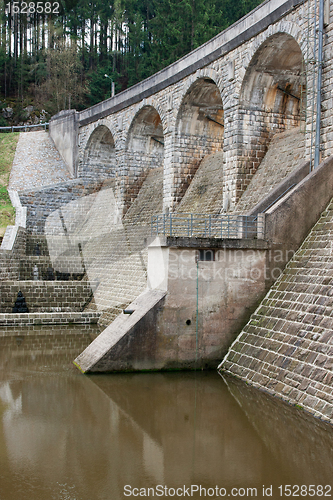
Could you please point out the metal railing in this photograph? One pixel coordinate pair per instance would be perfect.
(209, 226)
(23, 127)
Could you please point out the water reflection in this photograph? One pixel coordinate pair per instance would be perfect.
(64, 435)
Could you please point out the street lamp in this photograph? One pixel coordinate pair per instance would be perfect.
(112, 84)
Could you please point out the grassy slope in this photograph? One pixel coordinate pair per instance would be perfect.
(7, 150)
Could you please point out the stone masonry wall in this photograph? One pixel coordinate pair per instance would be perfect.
(285, 153)
(286, 348)
(41, 202)
(10, 259)
(45, 296)
(205, 193)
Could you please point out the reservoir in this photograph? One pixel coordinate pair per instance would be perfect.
(68, 436)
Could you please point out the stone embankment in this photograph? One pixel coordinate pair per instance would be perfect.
(205, 193)
(285, 153)
(36, 163)
(287, 346)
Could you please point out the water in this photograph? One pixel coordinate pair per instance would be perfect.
(64, 435)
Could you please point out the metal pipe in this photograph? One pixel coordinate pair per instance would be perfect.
(319, 81)
(213, 120)
(157, 140)
(288, 93)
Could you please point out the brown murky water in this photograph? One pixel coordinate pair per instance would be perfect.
(64, 435)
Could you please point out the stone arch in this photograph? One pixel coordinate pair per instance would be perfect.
(199, 130)
(282, 27)
(144, 149)
(270, 100)
(273, 78)
(146, 131)
(203, 73)
(99, 158)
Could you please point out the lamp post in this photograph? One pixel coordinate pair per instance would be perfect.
(112, 84)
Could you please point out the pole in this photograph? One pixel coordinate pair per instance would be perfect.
(319, 81)
(112, 86)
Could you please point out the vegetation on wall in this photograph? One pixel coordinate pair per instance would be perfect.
(56, 55)
(7, 150)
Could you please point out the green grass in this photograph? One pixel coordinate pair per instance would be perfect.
(8, 144)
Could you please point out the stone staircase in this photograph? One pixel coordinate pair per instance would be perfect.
(287, 346)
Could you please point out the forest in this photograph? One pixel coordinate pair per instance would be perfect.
(65, 54)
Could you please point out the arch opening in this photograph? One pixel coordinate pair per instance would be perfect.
(99, 159)
(273, 81)
(144, 150)
(146, 133)
(272, 100)
(199, 132)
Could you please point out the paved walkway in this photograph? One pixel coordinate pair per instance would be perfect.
(36, 163)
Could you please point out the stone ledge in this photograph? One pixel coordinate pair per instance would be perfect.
(57, 318)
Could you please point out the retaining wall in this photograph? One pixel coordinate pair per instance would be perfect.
(287, 346)
(10, 259)
(45, 296)
(41, 203)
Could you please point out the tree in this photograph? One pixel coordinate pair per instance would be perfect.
(63, 88)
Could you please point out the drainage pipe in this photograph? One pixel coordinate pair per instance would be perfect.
(319, 82)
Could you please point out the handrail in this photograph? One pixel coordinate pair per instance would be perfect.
(225, 226)
(279, 197)
(15, 127)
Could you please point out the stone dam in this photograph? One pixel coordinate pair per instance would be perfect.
(186, 218)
